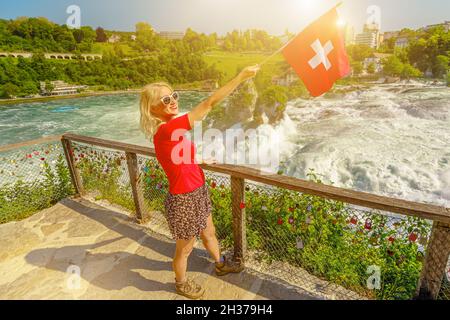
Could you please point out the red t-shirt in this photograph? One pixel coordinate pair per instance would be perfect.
(182, 170)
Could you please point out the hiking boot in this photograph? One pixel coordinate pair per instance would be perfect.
(190, 289)
(225, 267)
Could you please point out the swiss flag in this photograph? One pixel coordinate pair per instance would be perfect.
(318, 54)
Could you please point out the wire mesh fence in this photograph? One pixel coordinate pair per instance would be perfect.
(154, 186)
(32, 178)
(104, 174)
(444, 292)
(318, 242)
(326, 247)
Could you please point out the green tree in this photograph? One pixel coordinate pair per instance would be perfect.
(101, 35)
(49, 86)
(10, 90)
(357, 67)
(408, 71)
(441, 66)
(392, 66)
(78, 34)
(359, 52)
(371, 68)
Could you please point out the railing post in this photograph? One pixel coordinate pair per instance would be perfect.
(238, 211)
(74, 173)
(436, 259)
(138, 196)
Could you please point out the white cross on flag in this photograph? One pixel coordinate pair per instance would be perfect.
(318, 54)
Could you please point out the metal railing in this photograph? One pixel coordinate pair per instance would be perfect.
(331, 241)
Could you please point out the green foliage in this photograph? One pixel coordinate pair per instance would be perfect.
(430, 51)
(31, 34)
(409, 71)
(359, 52)
(100, 35)
(175, 64)
(21, 199)
(441, 66)
(9, 90)
(101, 173)
(250, 40)
(334, 250)
(199, 42)
(393, 66)
(274, 95)
(371, 68)
(357, 68)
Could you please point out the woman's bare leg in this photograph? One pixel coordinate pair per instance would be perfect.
(208, 236)
(182, 252)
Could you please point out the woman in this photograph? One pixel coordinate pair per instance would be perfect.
(188, 207)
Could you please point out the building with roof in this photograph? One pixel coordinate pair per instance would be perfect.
(370, 36)
(60, 88)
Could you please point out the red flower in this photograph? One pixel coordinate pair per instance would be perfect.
(280, 221)
(353, 220)
(242, 205)
(29, 156)
(368, 224)
(213, 185)
(36, 153)
(291, 209)
(42, 159)
(391, 239)
(412, 237)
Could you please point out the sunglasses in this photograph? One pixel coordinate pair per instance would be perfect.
(166, 99)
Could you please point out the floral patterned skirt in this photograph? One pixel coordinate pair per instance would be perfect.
(187, 213)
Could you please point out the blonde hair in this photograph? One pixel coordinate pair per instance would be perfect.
(150, 97)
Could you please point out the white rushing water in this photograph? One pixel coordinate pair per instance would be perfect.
(390, 140)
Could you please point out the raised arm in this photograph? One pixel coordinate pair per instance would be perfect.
(201, 110)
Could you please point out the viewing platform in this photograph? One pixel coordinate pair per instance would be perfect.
(83, 218)
(117, 259)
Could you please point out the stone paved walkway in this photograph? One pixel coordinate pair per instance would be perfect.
(115, 257)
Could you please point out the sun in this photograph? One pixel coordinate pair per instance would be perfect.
(341, 22)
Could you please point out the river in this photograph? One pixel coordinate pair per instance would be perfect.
(389, 139)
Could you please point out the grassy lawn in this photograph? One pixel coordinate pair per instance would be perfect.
(230, 62)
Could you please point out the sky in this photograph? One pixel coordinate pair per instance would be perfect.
(222, 16)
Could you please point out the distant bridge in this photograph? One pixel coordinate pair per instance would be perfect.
(54, 56)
